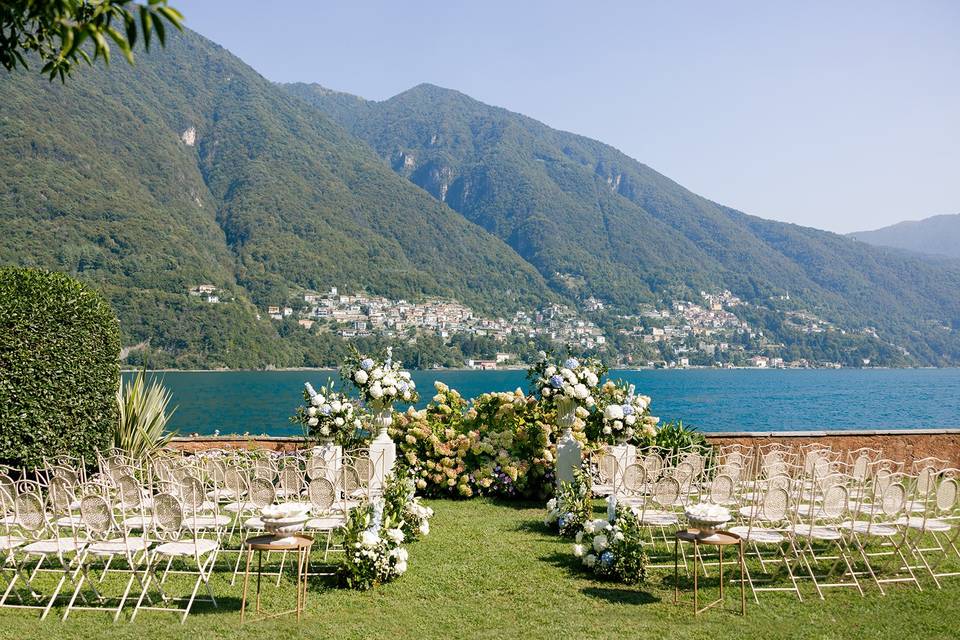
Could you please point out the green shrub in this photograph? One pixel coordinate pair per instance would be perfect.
(59, 367)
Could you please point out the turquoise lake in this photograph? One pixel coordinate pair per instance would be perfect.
(261, 402)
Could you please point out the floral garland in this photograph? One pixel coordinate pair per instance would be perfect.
(327, 414)
(381, 382)
(572, 507)
(613, 549)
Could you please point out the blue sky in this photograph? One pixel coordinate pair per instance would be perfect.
(838, 115)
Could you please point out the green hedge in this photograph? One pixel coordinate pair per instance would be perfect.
(59, 367)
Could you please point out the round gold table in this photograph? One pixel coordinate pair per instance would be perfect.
(721, 540)
(298, 543)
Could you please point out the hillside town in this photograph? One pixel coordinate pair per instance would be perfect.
(674, 334)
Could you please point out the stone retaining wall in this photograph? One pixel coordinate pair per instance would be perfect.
(905, 444)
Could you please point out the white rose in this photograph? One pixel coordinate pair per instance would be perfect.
(369, 538)
(376, 391)
(424, 528)
(400, 567)
(550, 371)
(396, 535)
(631, 419)
(618, 536)
(311, 411)
(339, 422)
(389, 380)
(360, 377)
(377, 373)
(579, 537)
(590, 560)
(617, 425)
(316, 401)
(613, 412)
(546, 392)
(580, 391)
(313, 422)
(335, 406)
(357, 424)
(406, 395)
(592, 379)
(578, 550)
(390, 391)
(607, 430)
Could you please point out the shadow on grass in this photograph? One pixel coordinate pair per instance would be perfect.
(620, 595)
(535, 526)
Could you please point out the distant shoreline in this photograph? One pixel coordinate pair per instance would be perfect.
(520, 368)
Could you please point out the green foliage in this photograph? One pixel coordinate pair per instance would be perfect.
(372, 552)
(141, 429)
(56, 30)
(401, 506)
(596, 222)
(59, 367)
(675, 437)
(614, 550)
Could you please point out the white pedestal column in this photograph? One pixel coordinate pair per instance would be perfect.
(624, 454)
(569, 450)
(383, 451)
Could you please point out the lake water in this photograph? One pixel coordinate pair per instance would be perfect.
(261, 402)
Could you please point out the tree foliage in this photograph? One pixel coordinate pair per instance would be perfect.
(56, 31)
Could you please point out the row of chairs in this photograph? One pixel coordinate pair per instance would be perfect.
(171, 515)
(837, 518)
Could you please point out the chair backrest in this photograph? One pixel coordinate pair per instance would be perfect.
(948, 492)
(167, 515)
(264, 468)
(235, 482)
(262, 493)
(290, 480)
(775, 503)
(97, 516)
(652, 465)
(835, 502)
(322, 495)
(60, 495)
(30, 512)
(633, 479)
(316, 467)
(721, 489)
(349, 480)
(666, 491)
(192, 494)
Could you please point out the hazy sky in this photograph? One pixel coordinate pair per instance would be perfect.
(838, 115)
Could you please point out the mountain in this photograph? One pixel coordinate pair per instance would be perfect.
(191, 168)
(937, 235)
(594, 221)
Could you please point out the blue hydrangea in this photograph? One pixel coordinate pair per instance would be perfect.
(571, 363)
(325, 409)
(562, 521)
(556, 381)
(606, 558)
(628, 410)
(402, 386)
(366, 364)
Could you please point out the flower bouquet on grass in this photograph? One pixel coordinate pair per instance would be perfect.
(624, 416)
(372, 543)
(403, 507)
(381, 382)
(613, 550)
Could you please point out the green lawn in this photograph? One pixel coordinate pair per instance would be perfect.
(491, 570)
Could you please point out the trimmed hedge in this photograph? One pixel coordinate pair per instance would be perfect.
(59, 367)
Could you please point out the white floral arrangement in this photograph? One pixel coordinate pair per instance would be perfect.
(707, 514)
(381, 382)
(572, 380)
(613, 549)
(373, 551)
(419, 515)
(626, 414)
(327, 414)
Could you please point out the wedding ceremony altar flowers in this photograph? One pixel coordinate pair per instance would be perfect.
(624, 416)
(613, 549)
(381, 382)
(327, 415)
(570, 381)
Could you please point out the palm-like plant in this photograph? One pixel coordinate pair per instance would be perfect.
(142, 426)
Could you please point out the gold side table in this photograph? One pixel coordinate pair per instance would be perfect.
(300, 544)
(721, 540)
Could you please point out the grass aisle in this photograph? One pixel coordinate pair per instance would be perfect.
(491, 570)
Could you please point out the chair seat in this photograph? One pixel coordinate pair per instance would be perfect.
(917, 522)
(118, 546)
(253, 524)
(760, 536)
(326, 523)
(659, 519)
(137, 522)
(10, 542)
(237, 507)
(221, 494)
(10, 521)
(874, 529)
(749, 512)
(816, 532)
(200, 546)
(54, 545)
(205, 522)
(69, 521)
